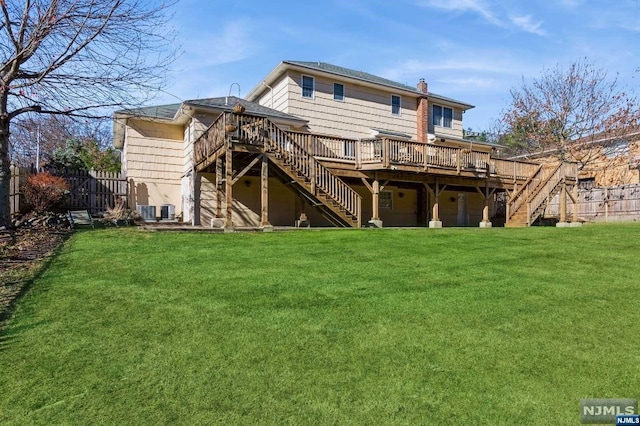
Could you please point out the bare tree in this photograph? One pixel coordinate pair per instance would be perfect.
(34, 138)
(568, 114)
(78, 58)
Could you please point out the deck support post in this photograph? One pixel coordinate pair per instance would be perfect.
(576, 204)
(219, 191)
(435, 221)
(563, 207)
(264, 193)
(197, 188)
(375, 189)
(229, 186)
(486, 195)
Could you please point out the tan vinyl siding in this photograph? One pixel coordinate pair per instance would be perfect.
(280, 96)
(363, 108)
(154, 153)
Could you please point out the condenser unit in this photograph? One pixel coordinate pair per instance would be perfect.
(167, 212)
(148, 213)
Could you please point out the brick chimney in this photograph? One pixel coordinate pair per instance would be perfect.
(422, 115)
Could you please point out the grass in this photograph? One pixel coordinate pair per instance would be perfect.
(498, 326)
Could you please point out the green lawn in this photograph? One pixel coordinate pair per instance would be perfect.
(480, 326)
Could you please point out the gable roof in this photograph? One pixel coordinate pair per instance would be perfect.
(171, 112)
(356, 75)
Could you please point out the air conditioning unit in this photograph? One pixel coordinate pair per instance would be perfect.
(167, 212)
(148, 213)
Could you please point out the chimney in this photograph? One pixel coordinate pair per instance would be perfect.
(422, 116)
(422, 86)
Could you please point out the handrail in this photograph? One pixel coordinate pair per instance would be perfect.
(543, 191)
(212, 139)
(538, 188)
(525, 184)
(529, 189)
(321, 177)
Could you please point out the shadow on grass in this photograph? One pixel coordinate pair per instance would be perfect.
(38, 268)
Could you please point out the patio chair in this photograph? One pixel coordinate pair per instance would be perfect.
(80, 218)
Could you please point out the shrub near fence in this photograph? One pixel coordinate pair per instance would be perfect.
(89, 190)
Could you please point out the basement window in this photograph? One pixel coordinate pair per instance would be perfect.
(385, 200)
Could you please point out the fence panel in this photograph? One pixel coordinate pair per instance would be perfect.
(89, 190)
(602, 204)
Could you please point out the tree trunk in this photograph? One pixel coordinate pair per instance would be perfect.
(5, 172)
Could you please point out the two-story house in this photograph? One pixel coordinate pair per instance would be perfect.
(321, 144)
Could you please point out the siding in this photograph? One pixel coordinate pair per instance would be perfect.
(154, 154)
(284, 205)
(363, 108)
(280, 96)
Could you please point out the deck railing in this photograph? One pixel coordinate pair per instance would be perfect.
(538, 188)
(293, 149)
(515, 169)
(211, 140)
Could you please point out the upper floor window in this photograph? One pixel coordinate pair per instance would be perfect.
(396, 103)
(338, 92)
(442, 116)
(308, 86)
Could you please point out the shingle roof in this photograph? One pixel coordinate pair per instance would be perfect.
(224, 103)
(370, 78)
(227, 103)
(164, 112)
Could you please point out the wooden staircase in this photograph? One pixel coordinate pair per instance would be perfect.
(529, 202)
(296, 167)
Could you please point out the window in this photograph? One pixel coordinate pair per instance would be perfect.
(385, 200)
(442, 116)
(396, 103)
(338, 92)
(308, 86)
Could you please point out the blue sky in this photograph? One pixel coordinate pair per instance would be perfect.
(474, 51)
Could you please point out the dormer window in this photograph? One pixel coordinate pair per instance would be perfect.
(442, 116)
(308, 86)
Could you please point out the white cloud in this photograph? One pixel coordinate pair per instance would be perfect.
(526, 23)
(477, 6)
(234, 44)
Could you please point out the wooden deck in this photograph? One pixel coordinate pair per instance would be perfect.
(320, 164)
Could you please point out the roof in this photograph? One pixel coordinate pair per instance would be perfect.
(365, 77)
(225, 103)
(163, 112)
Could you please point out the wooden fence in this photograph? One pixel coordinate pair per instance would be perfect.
(18, 178)
(615, 203)
(89, 190)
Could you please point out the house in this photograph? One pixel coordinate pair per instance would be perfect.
(603, 160)
(314, 143)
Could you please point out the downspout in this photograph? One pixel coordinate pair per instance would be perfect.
(271, 89)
